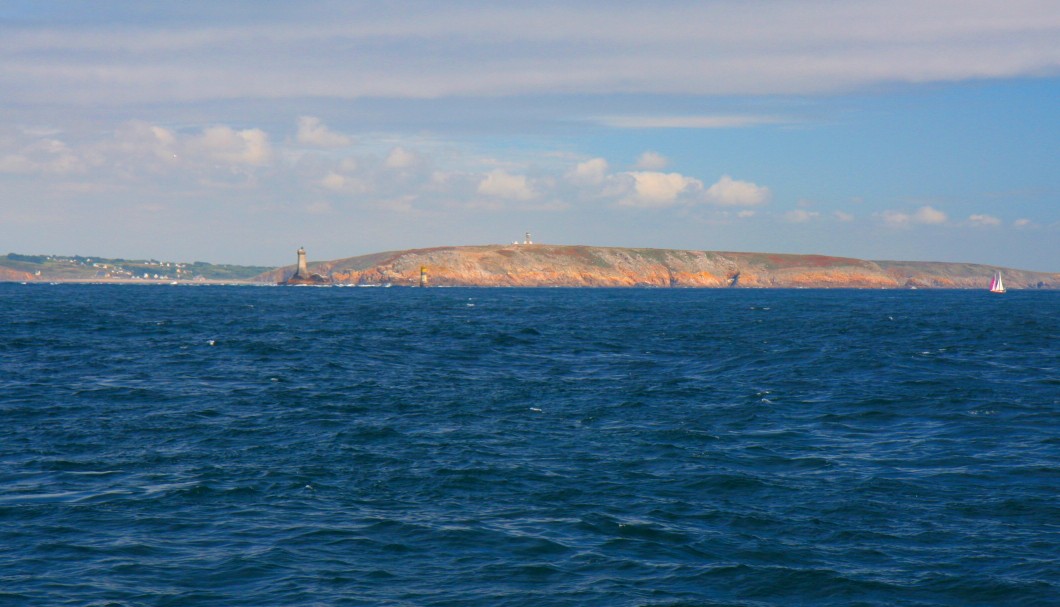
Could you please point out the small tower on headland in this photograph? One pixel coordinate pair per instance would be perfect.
(423, 276)
(302, 276)
(528, 241)
(303, 269)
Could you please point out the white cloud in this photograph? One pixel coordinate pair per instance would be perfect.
(655, 189)
(981, 220)
(44, 155)
(344, 184)
(843, 216)
(652, 161)
(929, 215)
(925, 215)
(222, 143)
(590, 172)
(312, 132)
(894, 218)
(1022, 223)
(138, 144)
(500, 184)
(699, 48)
(133, 149)
(730, 192)
(401, 158)
(333, 181)
(801, 215)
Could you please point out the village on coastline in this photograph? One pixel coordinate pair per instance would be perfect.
(76, 268)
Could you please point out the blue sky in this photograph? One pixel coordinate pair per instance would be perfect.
(237, 131)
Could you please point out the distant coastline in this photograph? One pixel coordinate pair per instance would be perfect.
(76, 268)
(543, 265)
(128, 281)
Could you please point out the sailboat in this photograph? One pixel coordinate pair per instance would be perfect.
(996, 286)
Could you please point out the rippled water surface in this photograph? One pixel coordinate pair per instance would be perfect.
(492, 447)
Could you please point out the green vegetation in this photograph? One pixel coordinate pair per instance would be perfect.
(77, 267)
(657, 255)
(27, 258)
(586, 254)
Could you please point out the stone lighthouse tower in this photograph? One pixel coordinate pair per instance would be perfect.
(302, 276)
(303, 270)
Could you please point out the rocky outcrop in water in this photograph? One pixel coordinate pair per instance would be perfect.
(313, 279)
(583, 266)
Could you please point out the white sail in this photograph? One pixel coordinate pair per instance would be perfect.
(996, 286)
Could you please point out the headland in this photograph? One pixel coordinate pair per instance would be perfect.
(539, 265)
(543, 265)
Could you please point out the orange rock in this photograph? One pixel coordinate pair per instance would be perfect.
(581, 266)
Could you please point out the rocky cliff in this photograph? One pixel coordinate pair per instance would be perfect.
(582, 266)
(7, 274)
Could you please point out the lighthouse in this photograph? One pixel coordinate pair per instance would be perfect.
(303, 270)
(302, 276)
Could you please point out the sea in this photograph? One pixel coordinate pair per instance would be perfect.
(256, 446)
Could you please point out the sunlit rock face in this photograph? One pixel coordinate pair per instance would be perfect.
(7, 274)
(521, 265)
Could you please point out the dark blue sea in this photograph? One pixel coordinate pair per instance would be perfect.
(253, 446)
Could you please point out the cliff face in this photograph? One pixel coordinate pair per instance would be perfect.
(580, 266)
(7, 274)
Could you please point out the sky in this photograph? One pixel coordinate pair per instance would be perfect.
(236, 132)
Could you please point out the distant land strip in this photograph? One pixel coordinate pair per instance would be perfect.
(544, 265)
(78, 268)
(540, 265)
